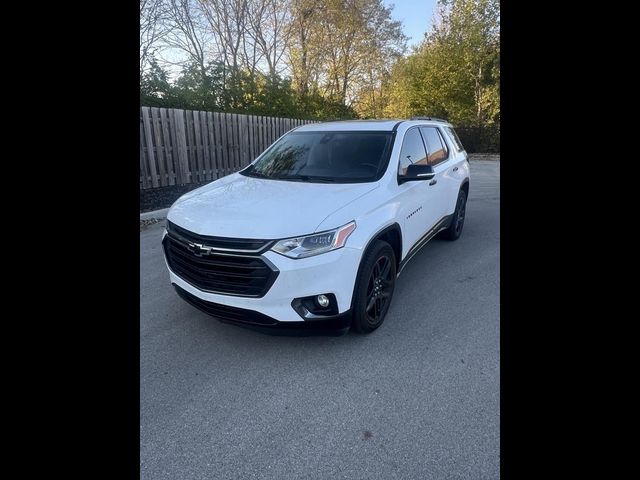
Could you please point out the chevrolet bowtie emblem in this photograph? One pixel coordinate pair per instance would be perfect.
(198, 249)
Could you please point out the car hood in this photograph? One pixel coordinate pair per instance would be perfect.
(245, 207)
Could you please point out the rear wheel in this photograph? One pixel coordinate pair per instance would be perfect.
(374, 287)
(457, 222)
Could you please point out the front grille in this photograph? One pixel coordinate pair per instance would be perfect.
(241, 275)
(246, 245)
(225, 312)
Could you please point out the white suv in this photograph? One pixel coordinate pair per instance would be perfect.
(315, 231)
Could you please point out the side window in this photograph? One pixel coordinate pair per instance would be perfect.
(436, 147)
(444, 143)
(412, 151)
(454, 137)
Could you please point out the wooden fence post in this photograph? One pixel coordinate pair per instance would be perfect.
(150, 153)
(181, 146)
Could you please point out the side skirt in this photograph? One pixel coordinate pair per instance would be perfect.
(443, 224)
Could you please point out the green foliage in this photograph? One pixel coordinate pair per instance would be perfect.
(155, 90)
(218, 89)
(455, 72)
(319, 107)
(200, 88)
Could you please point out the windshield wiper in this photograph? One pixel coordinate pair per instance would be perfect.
(251, 173)
(306, 178)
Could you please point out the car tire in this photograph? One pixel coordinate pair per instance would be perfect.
(374, 287)
(454, 230)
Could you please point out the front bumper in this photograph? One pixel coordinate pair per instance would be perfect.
(333, 272)
(247, 318)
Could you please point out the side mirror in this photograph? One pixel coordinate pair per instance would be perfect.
(417, 172)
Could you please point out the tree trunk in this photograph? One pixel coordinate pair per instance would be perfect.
(345, 83)
(304, 81)
(478, 95)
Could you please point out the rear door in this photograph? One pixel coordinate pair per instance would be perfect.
(458, 165)
(445, 165)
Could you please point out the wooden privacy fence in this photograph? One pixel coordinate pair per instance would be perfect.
(187, 146)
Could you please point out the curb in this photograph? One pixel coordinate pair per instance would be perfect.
(159, 214)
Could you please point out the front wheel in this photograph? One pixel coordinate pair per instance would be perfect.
(374, 287)
(457, 222)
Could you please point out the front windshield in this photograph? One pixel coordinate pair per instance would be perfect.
(339, 157)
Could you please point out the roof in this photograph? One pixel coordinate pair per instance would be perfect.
(362, 125)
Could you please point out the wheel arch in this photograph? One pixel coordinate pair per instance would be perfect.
(392, 234)
(465, 186)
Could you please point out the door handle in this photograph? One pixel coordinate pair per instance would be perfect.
(433, 182)
(455, 169)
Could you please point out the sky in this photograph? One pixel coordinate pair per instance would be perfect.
(415, 15)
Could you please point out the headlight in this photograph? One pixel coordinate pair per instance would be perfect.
(309, 245)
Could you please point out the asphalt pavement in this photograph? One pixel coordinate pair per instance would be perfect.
(417, 399)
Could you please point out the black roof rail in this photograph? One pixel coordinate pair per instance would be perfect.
(429, 118)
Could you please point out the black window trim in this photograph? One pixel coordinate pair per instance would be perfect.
(444, 142)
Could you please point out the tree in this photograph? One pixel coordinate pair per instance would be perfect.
(362, 42)
(188, 34)
(227, 22)
(341, 46)
(152, 30)
(155, 89)
(326, 59)
(455, 72)
(267, 28)
(470, 30)
(305, 53)
(198, 90)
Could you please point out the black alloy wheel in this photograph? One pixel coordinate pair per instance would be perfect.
(374, 287)
(454, 230)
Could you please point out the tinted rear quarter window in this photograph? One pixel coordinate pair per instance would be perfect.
(454, 138)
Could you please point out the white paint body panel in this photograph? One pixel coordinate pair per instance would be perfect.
(244, 207)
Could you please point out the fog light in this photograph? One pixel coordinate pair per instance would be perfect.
(322, 300)
(316, 307)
